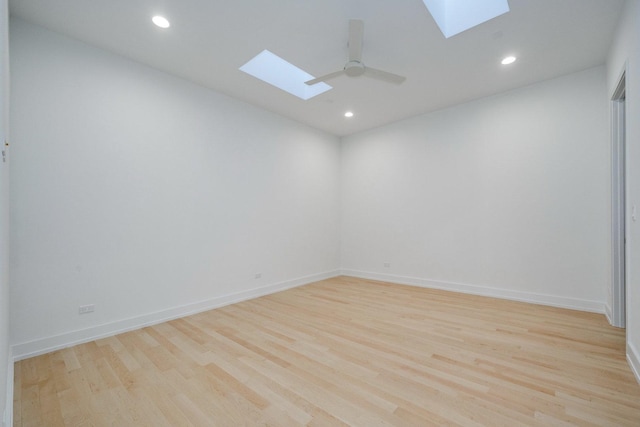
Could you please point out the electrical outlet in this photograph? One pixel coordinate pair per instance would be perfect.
(258, 275)
(387, 265)
(84, 309)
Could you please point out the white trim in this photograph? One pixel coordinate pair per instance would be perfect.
(619, 220)
(46, 345)
(633, 357)
(607, 313)
(550, 300)
(8, 409)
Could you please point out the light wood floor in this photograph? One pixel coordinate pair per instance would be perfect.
(343, 352)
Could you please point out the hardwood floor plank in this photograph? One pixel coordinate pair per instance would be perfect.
(343, 352)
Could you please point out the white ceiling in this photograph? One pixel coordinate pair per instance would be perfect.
(210, 39)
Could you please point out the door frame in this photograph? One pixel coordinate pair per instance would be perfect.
(619, 226)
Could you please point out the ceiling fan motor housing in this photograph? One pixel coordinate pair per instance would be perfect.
(354, 68)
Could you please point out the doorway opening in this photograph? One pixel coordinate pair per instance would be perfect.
(617, 294)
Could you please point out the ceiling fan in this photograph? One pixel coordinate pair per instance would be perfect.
(355, 67)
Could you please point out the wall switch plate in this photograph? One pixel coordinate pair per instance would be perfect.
(84, 309)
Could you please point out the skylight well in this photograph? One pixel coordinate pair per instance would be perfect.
(274, 70)
(456, 16)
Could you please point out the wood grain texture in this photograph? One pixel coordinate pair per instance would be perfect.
(343, 352)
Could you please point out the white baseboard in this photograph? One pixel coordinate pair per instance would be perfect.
(608, 313)
(57, 342)
(550, 300)
(633, 357)
(8, 409)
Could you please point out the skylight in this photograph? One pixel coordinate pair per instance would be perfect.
(456, 16)
(274, 70)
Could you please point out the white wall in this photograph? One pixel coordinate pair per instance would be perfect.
(626, 50)
(505, 196)
(6, 363)
(151, 197)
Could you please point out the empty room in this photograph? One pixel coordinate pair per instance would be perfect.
(320, 213)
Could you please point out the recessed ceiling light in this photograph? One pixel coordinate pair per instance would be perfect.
(161, 21)
(508, 60)
(348, 114)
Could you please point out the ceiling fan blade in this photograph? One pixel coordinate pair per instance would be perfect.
(324, 78)
(383, 75)
(356, 33)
